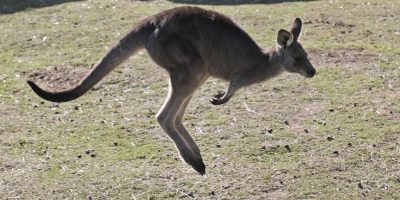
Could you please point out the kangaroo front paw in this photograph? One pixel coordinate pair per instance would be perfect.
(218, 98)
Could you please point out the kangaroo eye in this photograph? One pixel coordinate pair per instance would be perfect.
(297, 59)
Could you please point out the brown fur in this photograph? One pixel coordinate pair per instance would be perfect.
(193, 44)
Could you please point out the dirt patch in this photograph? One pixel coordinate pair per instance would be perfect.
(16, 175)
(324, 21)
(341, 57)
(58, 78)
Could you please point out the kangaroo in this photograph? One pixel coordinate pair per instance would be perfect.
(192, 44)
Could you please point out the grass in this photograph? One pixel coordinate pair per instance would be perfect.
(335, 136)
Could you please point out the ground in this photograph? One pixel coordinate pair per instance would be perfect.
(335, 136)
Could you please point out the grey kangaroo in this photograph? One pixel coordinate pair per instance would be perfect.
(192, 44)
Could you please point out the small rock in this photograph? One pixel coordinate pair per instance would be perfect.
(287, 147)
(360, 185)
(218, 146)
(270, 130)
(191, 194)
(349, 144)
(307, 22)
(331, 110)
(339, 23)
(306, 131)
(79, 156)
(336, 152)
(89, 151)
(93, 155)
(286, 122)
(363, 194)
(384, 186)
(329, 138)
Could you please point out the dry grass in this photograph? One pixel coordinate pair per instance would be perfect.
(335, 136)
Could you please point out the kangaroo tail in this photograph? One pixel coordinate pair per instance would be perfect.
(121, 51)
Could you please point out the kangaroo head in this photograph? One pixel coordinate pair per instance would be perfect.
(295, 58)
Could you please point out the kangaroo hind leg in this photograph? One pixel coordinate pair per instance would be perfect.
(182, 129)
(182, 86)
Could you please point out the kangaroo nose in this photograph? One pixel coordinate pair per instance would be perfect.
(311, 72)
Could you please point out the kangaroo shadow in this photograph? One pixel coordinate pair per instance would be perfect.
(12, 6)
(233, 2)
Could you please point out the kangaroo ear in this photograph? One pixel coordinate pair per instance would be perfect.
(296, 28)
(285, 38)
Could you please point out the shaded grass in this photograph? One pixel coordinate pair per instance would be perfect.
(12, 6)
(233, 2)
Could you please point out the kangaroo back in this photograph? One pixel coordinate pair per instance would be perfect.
(121, 51)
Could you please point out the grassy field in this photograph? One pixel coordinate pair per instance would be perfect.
(336, 136)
